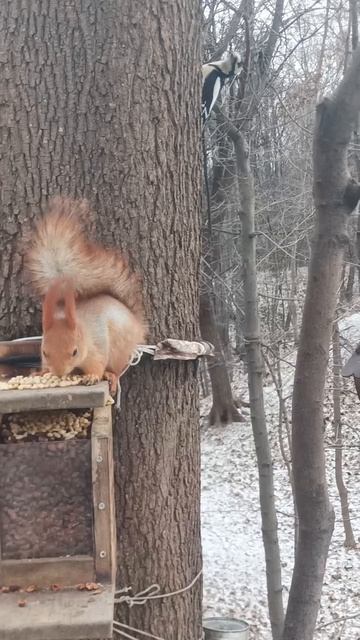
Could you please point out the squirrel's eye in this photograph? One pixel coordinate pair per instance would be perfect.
(74, 352)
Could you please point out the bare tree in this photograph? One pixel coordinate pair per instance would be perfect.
(243, 104)
(336, 194)
(255, 372)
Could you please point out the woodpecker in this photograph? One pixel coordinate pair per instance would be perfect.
(215, 75)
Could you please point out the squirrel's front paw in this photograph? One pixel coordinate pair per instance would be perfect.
(113, 381)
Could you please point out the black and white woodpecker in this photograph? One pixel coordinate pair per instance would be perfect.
(214, 76)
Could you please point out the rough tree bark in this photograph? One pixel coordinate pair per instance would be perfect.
(336, 195)
(102, 100)
(255, 372)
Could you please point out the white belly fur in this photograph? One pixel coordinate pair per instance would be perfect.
(113, 330)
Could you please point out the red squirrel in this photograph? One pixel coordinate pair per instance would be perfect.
(92, 311)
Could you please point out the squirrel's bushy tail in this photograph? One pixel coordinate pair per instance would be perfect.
(60, 249)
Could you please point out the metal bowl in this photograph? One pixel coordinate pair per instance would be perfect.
(225, 629)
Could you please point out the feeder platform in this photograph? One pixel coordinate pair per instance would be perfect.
(64, 615)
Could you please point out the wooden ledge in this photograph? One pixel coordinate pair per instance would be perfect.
(43, 572)
(76, 397)
(57, 615)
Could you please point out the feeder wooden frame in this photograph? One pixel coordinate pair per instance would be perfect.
(68, 571)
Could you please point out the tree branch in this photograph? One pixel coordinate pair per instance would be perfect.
(230, 33)
(274, 33)
(240, 145)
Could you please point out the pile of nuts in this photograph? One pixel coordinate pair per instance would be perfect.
(42, 426)
(47, 380)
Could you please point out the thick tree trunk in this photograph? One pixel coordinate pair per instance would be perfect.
(102, 100)
(335, 197)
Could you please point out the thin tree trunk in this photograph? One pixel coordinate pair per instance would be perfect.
(255, 373)
(343, 494)
(283, 419)
(223, 410)
(348, 288)
(358, 240)
(204, 379)
(214, 319)
(293, 293)
(102, 100)
(336, 195)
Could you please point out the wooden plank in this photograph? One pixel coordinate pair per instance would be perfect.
(47, 571)
(63, 615)
(103, 495)
(112, 509)
(21, 347)
(76, 397)
(102, 423)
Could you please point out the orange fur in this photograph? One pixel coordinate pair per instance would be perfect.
(61, 291)
(93, 316)
(59, 249)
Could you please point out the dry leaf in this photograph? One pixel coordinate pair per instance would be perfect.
(22, 603)
(81, 586)
(55, 587)
(5, 589)
(91, 586)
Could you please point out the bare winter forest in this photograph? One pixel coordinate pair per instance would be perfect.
(279, 151)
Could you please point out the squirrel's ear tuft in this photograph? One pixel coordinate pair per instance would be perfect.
(61, 293)
(48, 311)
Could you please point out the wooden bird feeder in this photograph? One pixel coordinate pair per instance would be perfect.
(57, 519)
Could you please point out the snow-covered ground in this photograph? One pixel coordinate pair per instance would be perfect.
(234, 567)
